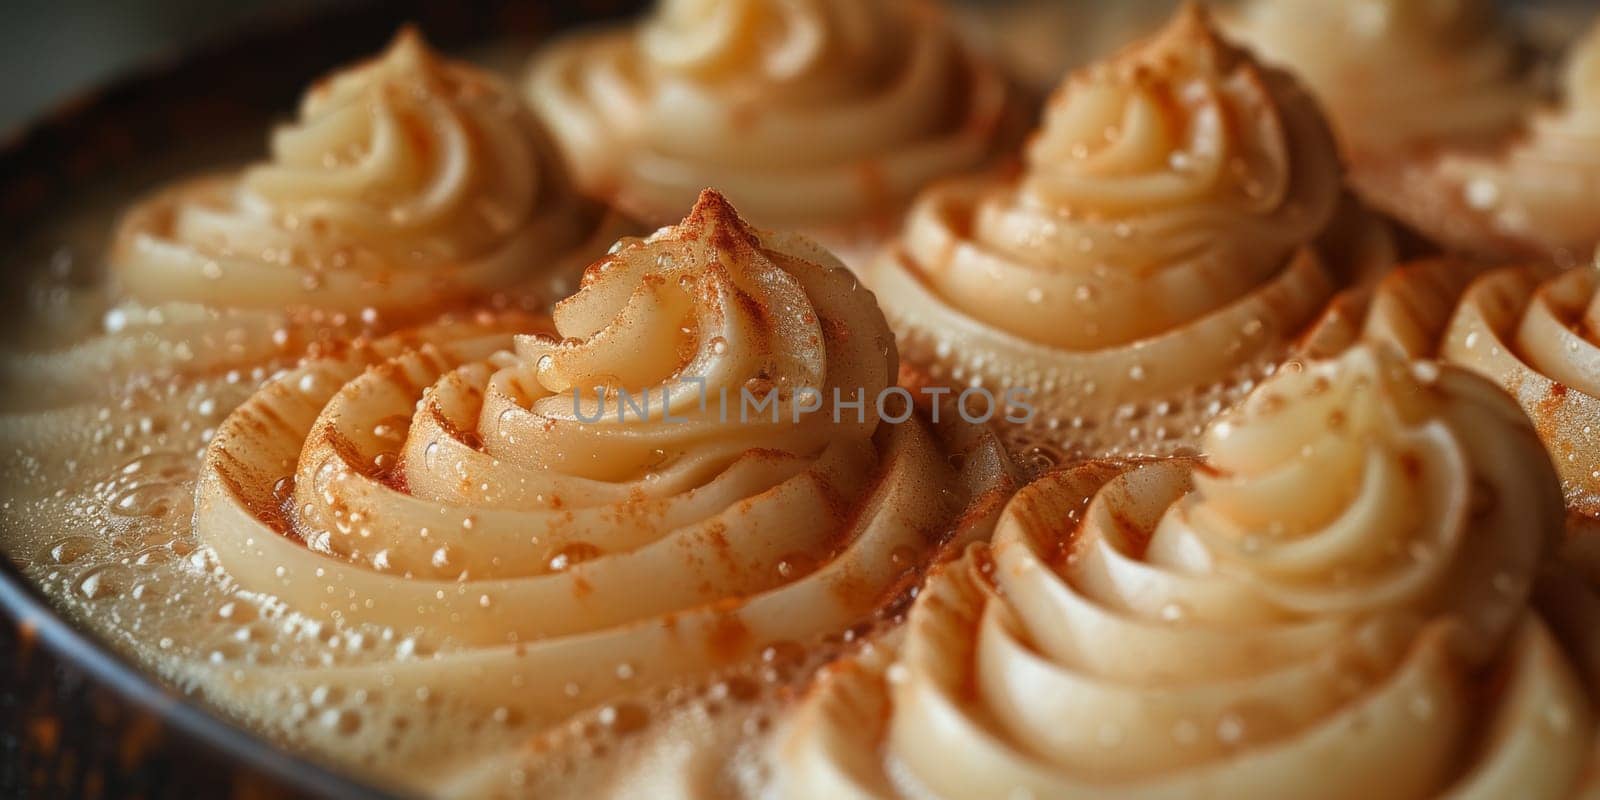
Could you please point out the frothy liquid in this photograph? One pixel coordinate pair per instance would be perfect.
(111, 545)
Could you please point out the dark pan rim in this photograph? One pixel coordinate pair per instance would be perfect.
(44, 160)
(37, 620)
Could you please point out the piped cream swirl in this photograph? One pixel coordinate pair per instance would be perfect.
(1163, 239)
(408, 185)
(1335, 603)
(406, 182)
(1537, 333)
(556, 549)
(1398, 75)
(814, 113)
(1540, 190)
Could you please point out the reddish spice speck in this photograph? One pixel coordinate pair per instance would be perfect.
(717, 536)
(875, 186)
(728, 637)
(580, 586)
(45, 733)
(1137, 536)
(1411, 465)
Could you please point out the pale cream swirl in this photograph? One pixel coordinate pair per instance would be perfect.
(1398, 75)
(1162, 246)
(406, 182)
(1536, 332)
(1540, 191)
(557, 544)
(821, 114)
(409, 185)
(1334, 604)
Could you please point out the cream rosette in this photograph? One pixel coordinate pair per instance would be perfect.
(553, 544)
(1157, 255)
(406, 184)
(1398, 75)
(1539, 192)
(1334, 604)
(816, 114)
(406, 181)
(1536, 332)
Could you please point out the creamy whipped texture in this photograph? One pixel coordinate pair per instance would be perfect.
(1540, 190)
(807, 113)
(1535, 330)
(459, 493)
(407, 185)
(404, 182)
(1333, 604)
(1537, 333)
(1156, 254)
(330, 463)
(1397, 75)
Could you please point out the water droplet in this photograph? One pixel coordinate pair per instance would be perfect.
(1230, 728)
(1421, 706)
(1482, 193)
(149, 500)
(1559, 718)
(341, 720)
(623, 718)
(1506, 583)
(103, 582)
(441, 557)
(68, 550)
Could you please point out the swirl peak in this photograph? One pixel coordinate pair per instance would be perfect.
(407, 55)
(731, 309)
(1178, 119)
(1191, 36)
(715, 219)
(713, 291)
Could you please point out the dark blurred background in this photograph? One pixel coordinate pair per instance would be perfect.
(52, 48)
